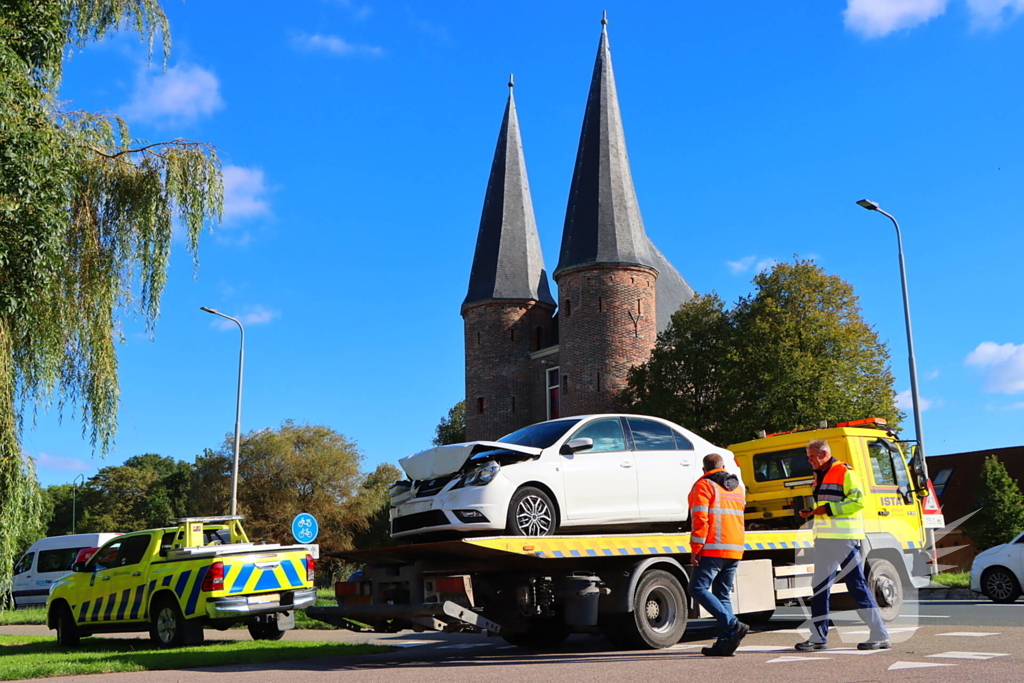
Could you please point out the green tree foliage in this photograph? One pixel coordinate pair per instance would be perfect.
(374, 499)
(85, 230)
(793, 353)
(296, 468)
(1000, 504)
(63, 508)
(452, 428)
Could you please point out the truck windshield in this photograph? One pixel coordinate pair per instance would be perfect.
(788, 464)
(541, 435)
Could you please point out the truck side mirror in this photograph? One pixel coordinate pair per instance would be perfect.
(576, 445)
(908, 497)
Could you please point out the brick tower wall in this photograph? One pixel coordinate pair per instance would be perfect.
(607, 324)
(500, 335)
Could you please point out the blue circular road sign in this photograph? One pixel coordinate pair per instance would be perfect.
(305, 527)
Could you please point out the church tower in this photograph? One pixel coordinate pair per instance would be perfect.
(508, 309)
(610, 277)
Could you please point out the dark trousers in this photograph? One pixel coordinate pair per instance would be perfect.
(839, 559)
(711, 583)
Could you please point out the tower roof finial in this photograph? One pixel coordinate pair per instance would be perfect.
(511, 83)
(604, 20)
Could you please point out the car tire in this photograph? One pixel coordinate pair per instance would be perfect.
(886, 587)
(169, 628)
(531, 513)
(658, 619)
(67, 630)
(1000, 585)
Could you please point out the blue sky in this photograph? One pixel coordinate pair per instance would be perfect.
(357, 138)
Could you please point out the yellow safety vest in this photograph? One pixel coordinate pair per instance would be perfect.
(840, 492)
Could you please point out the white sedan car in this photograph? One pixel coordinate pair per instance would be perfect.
(999, 572)
(583, 471)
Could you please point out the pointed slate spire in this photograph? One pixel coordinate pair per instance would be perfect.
(602, 221)
(508, 263)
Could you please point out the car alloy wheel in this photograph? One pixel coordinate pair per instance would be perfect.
(531, 513)
(1000, 585)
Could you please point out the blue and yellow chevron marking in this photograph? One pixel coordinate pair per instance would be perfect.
(247, 577)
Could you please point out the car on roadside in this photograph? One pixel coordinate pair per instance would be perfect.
(575, 473)
(46, 561)
(999, 571)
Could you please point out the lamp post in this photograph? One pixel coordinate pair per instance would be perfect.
(915, 398)
(238, 406)
(74, 499)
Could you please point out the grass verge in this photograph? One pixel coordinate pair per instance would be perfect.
(39, 656)
(19, 617)
(953, 579)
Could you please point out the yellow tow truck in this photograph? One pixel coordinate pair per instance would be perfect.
(175, 581)
(536, 591)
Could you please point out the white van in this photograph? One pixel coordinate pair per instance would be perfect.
(46, 561)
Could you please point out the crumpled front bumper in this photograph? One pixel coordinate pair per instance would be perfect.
(234, 607)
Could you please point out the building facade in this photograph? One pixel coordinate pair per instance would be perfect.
(529, 358)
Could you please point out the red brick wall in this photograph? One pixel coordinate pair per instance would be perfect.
(499, 337)
(607, 324)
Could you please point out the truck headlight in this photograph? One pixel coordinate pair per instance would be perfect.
(482, 475)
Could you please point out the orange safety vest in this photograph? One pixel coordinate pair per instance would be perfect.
(716, 518)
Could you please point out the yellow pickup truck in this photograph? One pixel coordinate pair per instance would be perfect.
(173, 582)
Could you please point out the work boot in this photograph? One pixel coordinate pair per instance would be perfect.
(811, 646)
(874, 645)
(739, 632)
(719, 649)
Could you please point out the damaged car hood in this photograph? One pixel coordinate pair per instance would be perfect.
(437, 462)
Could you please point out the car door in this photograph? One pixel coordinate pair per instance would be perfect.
(1016, 558)
(600, 482)
(665, 469)
(23, 585)
(117, 581)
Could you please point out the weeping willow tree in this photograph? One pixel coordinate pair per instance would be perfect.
(86, 219)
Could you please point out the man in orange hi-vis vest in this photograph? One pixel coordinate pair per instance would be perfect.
(716, 546)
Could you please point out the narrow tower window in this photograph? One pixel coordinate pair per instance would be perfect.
(512, 335)
(568, 308)
(478, 339)
(598, 381)
(538, 338)
(513, 404)
(600, 303)
(480, 405)
(638, 311)
(554, 404)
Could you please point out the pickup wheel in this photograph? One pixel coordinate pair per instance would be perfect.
(265, 630)
(658, 619)
(1000, 585)
(67, 629)
(531, 513)
(169, 628)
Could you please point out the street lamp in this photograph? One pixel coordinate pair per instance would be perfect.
(74, 499)
(238, 406)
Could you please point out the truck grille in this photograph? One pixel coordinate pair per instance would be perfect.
(431, 487)
(418, 521)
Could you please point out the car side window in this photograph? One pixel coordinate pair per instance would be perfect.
(24, 564)
(57, 560)
(607, 436)
(651, 436)
(105, 557)
(682, 443)
(881, 464)
(133, 549)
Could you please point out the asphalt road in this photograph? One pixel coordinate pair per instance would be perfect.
(935, 641)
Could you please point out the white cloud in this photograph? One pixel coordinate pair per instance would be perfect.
(992, 14)
(932, 375)
(334, 45)
(1016, 406)
(750, 263)
(877, 18)
(253, 315)
(1002, 365)
(359, 12)
(180, 95)
(904, 401)
(244, 190)
(45, 461)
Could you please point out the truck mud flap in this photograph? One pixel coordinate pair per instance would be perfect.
(437, 616)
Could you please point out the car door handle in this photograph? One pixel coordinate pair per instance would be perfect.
(136, 573)
(883, 513)
(685, 463)
(625, 463)
(105, 578)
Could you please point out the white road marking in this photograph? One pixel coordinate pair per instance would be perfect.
(794, 658)
(797, 631)
(684, 646)
(853, 651)
(915, 665)
(412, 643)
(898, 629)
(930, 616)
(463, 646)
(762, 648)
(971, 655)
(967, 634)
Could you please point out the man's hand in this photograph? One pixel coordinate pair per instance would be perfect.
(695, 559)
(820, 510)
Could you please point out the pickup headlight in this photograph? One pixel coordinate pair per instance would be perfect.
(482, 475)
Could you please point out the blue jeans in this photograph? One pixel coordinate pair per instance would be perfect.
(842, 557)
(718, 574)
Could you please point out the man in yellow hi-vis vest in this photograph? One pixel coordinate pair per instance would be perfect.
(838, 531)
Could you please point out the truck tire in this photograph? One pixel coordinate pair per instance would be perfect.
(543, 633)
(886, 586)
(265, 630)
(658, 619)
(1000, 585)
(531, 513)
(67, 629)
(169, 628)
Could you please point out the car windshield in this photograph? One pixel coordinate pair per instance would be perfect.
(540, 435)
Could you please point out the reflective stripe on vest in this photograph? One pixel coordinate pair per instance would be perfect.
(833, 490)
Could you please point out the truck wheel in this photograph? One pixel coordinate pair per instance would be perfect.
(530, 513)
(543, 633)
(1000, 585)
(885, 584)
(265, 630)
(67, 629)
(659, 612)
(169, 628)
